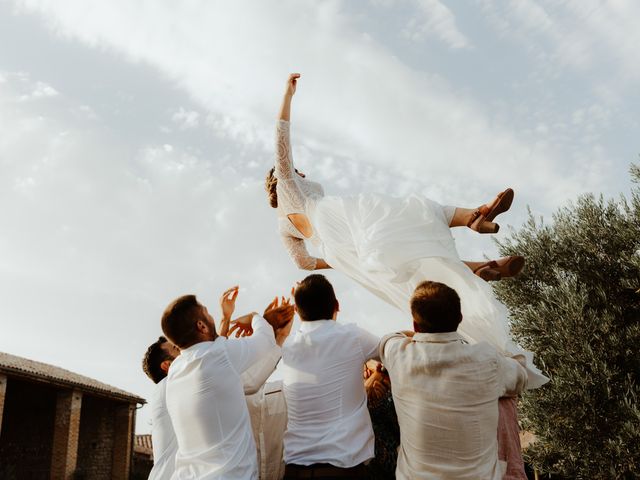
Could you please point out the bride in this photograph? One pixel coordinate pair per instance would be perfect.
(389, 245)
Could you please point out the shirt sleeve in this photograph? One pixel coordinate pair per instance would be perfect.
(284, 160)
(369, 344)
(512, 376)
(256, 375)
(386, 345)
(298, 252)
(244, 352)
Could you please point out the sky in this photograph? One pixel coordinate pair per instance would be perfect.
(135, 136)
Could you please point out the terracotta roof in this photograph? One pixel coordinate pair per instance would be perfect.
(38, 371)
(142, 444)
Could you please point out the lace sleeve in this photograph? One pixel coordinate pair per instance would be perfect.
(284, 160)
(298, 252)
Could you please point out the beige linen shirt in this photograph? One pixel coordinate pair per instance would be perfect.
(268, 412)
(446, 396)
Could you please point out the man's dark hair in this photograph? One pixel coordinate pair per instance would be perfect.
(153, 358)
(179, 321)
(435, 308)
(315, 298)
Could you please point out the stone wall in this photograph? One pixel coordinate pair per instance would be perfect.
(27, 430)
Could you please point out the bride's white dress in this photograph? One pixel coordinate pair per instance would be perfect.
(389, 245)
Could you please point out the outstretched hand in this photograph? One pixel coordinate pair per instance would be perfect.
(228, 301)
(242, 326)
(292, 82)
(279, 312)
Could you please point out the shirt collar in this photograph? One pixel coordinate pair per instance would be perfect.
(447, 337)
(306, 326)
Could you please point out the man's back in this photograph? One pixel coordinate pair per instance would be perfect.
(206, 403)
(162, 434)
(446, 396)
(327, 406)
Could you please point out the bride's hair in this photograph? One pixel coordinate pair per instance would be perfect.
(270, 184)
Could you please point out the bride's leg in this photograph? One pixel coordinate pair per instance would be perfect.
(481, 219)
(461, 217)
(484, 271)
(458, 216)
(494, 270)
(473, 265)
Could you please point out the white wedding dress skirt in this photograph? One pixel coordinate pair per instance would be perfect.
(389, 245)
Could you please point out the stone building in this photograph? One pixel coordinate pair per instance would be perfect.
(56, 424)
(142, 457)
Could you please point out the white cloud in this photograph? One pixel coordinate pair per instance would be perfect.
(186, 119)
(434, 19)
(40, 90)
(578, 34)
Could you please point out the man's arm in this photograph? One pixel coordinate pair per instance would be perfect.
(246, 351)
(256, 375)
(512, 375)
(369, 343)
(387, 342)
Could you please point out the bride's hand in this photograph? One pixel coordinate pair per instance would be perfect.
(291, 84)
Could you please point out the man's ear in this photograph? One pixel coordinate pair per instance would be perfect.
(202, 327)
(164, 366)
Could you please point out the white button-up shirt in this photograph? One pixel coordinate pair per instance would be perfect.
(446, 396)
(326, 402)
(207, 406)
(163, 438)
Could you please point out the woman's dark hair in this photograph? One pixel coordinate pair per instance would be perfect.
(270, 184)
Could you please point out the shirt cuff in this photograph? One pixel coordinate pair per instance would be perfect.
(260, 325)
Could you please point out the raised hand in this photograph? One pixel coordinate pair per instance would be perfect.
(283, 332)
(279, 312)
(228, 302)
(292, 82)
(242, 326)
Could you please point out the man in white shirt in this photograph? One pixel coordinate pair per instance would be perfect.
(446, 392)
(329, 431)
(205, 397)
(156, 363)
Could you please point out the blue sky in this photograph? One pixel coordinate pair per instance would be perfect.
(135, 137)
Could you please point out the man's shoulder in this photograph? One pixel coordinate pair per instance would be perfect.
(482, 350)
(392, 344)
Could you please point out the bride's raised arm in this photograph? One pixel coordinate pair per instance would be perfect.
(284, 168)
(285, 109)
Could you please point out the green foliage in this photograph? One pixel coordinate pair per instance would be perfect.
(577, 307)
